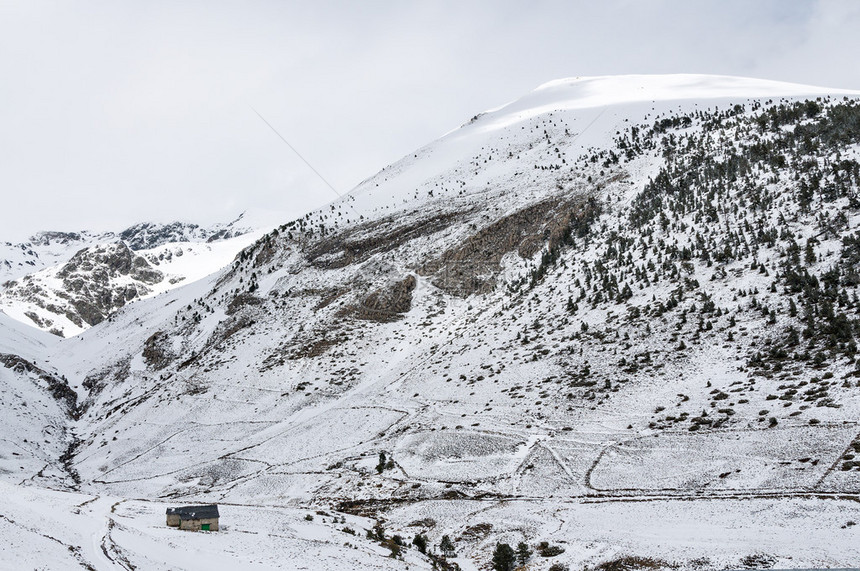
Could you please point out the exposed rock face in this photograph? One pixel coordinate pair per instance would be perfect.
(53, 237)
(96, 281)
(103, 270)
(242, 300)
(90, 280)
(471, 267)
(388, 303)
(156, 350)
(150, 235)
(358, 245)
(104, 263)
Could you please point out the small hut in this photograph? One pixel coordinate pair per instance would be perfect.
(194, 518)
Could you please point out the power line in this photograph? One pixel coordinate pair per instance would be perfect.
(298, 154)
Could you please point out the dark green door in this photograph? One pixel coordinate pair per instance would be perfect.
(205, 527)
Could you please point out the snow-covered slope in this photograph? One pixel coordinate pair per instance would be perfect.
(37, 404)
(612, 303)
(16, 337)
(592, 109)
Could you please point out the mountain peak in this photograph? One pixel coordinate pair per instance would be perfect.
(601, 91)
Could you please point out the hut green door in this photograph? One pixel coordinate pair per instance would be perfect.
(205, 527)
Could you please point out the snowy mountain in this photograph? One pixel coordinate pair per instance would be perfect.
(52, 248)
(615, 320)
(67, 282)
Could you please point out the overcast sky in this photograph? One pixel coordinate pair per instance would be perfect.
(115, 112)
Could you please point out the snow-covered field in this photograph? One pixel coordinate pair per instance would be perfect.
(45, 529)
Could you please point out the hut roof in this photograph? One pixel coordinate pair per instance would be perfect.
(194, 512)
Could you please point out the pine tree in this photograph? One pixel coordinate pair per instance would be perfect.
(503, 557)
(446, 546)
(523, 552)
(809, 253)
(420, 541)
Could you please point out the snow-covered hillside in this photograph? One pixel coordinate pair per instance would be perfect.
(38, 407)
(619, 315)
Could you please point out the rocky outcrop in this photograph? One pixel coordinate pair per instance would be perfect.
(103, 263)
(99, 272)
(96, 281)
(358, 245)
(156, 350)
(387, 303)
(150, 235)
(471, 266)
(53, 237)
(90, 280)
